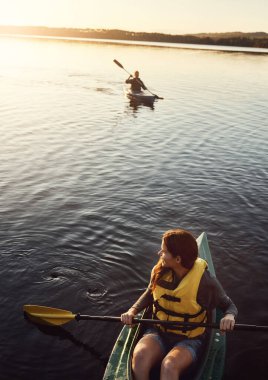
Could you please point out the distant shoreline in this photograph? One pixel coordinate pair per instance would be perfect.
(161, 45)
(235, 39)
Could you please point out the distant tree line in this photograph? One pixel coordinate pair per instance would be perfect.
(257, 40)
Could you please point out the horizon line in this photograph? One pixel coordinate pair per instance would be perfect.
(124, 30)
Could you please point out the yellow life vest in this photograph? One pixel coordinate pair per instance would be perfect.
(178, 302)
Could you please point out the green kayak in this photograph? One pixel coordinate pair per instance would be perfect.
(210, 365)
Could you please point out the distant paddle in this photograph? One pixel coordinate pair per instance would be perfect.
(122, 67)
(57, 317)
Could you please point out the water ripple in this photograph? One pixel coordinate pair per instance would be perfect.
(89, 184)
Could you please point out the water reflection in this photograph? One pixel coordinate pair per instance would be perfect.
(136, 105)
(63, 334)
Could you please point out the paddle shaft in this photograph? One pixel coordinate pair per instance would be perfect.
(122, 67)
(53, 316)
(237, 326)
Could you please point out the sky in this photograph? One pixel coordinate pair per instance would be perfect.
(164, 16)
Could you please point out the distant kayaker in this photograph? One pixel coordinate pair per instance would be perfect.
(181, 289)
(136, 83)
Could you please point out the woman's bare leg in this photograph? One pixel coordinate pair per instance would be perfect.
(147, 353)
(175, 362)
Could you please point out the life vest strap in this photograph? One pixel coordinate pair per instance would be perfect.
(175, 314)
(176, 327)
(171, 298)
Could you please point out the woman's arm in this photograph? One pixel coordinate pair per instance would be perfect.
(144, 300)
(211, 295)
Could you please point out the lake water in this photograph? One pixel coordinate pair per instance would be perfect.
(88, 184)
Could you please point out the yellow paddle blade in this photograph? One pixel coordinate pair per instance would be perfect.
(48, 315)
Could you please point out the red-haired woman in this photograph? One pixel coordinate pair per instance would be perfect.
(181, 289)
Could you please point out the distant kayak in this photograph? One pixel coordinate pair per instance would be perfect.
(143, 97)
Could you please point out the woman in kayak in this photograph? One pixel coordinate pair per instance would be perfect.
(181, 289)
(136, 83)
